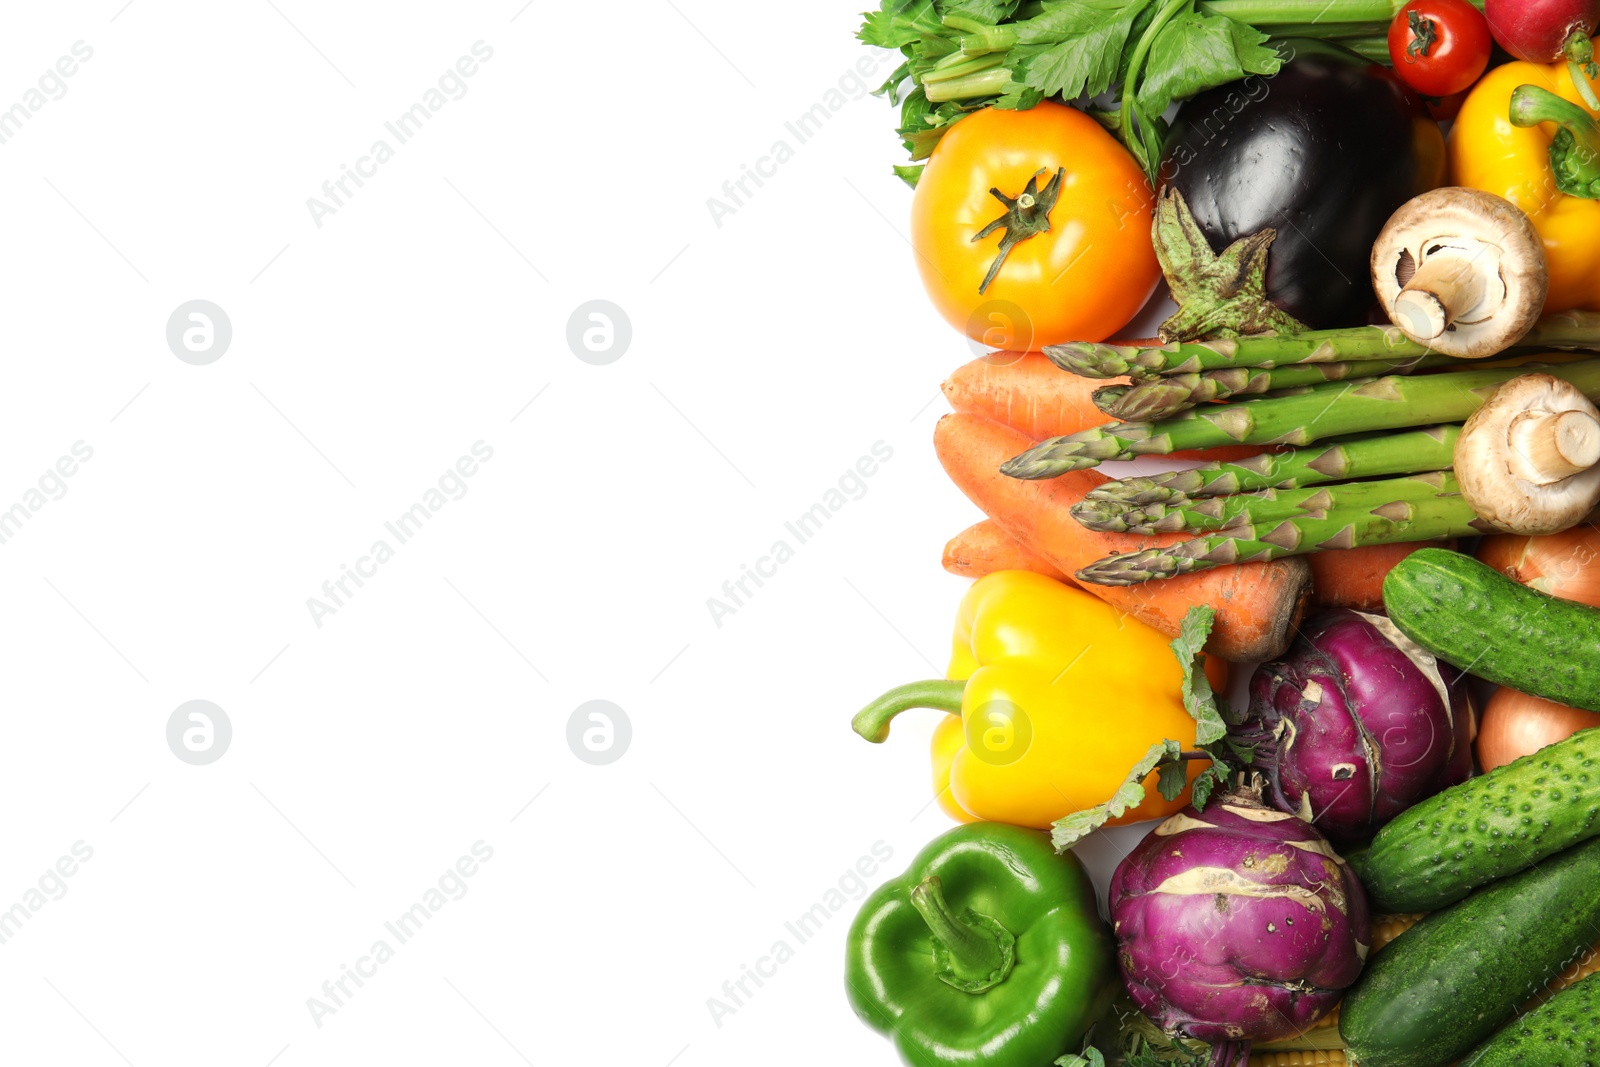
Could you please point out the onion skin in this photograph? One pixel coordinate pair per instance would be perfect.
(1350, 725)
(1516, 724)
(1239, 923)
(1565, 565)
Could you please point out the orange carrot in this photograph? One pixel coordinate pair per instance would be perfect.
(1030, 394)
(1353, 577)
(984, 548)
(1257, 604)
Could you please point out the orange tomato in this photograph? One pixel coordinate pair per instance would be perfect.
(1081, 279)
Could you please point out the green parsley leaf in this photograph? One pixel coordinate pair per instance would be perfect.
(1085, 39)
(1195, 52)
(1198, 698)
(910, 174)
(1090, 1057)
(988, 12)
(899, 23)
(1068, 831)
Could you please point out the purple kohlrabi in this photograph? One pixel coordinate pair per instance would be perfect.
(1356, 724)
(1237, 924)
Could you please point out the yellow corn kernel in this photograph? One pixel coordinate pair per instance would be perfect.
(1291, 1058)
(1385, 928)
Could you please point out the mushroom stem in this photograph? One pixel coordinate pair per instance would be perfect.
(1550, 446)
(1439, 293)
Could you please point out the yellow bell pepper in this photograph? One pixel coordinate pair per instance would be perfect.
(1052, 695)
(1502, 144)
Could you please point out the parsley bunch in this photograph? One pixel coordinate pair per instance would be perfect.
(963, 55)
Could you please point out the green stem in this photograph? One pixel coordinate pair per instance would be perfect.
(1375, 49)
(965, 25)
(1575, 152)
(977, 953)
(1421, 512)
(1380, 455)
(1577, 330)
(1335, 31)
(1254, 509)
(1580, 61)
(980, 39)
(1130, 81)
(1152, 399)
(1334, 410)
(872, 722)
(1264, 13)
(972, 87)
(963, 66)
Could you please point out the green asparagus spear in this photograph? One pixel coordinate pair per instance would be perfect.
(1571, 329)
(1333, 410)
(1373, 456)
(1153, 399)
(1418, 510)
(1245, 509)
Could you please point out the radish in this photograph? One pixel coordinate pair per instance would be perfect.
(1548, 31)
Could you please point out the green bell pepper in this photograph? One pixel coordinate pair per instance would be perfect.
(989, 950)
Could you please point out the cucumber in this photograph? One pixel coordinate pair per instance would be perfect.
(1564, 1031)
(1473, 616)
(1436, 852)
(1450, 981)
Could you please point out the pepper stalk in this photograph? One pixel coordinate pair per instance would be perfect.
(1575, 152)
(972, 952)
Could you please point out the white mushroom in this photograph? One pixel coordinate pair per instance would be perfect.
(1462, 271)
(1526, 460)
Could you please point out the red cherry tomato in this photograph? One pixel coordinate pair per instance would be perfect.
(1439, 47)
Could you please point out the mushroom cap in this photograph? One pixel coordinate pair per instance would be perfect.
(1484, 236)
(1494, 472)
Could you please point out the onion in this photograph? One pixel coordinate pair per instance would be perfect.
(1516, 724)
(1565, 565)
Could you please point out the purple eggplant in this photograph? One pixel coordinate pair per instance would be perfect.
(1356, 724)
(1237, 924)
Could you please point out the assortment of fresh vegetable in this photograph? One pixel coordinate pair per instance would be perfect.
(1383, 360)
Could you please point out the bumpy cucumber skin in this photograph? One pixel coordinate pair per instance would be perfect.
(1486, 828)
(1564, 1031)
(1476, 618)
(1450, 981)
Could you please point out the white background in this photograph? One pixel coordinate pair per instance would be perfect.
(428, 313)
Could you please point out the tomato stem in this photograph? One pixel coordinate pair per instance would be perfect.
(1424, 35)
(1025, 216)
